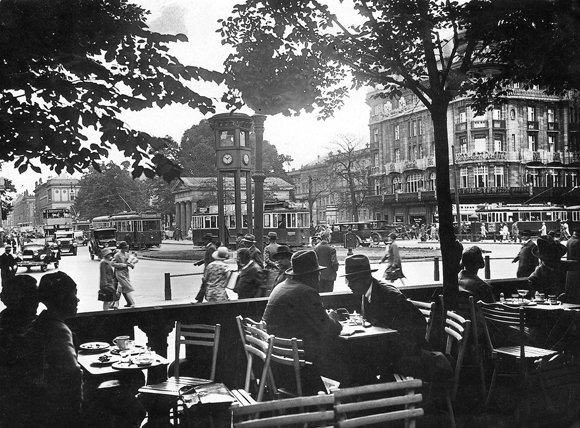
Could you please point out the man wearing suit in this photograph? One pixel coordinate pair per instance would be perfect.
(573, 246)
(8, 265)
(249, 242)
(249, 277)
(326, 257)
(527, 261)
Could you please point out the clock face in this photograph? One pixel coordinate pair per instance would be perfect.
(246, 159)
(227, 159)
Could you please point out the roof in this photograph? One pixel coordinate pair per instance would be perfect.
(210, 183)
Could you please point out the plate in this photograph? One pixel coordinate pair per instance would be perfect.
(130, 365)
(111, 360)
(137, 349)
(95, 346)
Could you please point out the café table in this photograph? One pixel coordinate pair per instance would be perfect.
(357, 333)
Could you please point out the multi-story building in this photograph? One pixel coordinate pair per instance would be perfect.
(53, 201)
(524, 150)
(23, 212)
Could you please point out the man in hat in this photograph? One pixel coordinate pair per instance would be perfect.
(394, 268)
(270, 267)
(207, 259)
(527, 261)
(326, 257)
(550, 275)
(282, 259)
(573, 246)
(249, 242)
(8, 265)
(250, 276)
(383, 304)
(468, 280)
(295, 309)
(107, 283)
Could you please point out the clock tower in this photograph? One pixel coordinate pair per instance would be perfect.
(232, 139)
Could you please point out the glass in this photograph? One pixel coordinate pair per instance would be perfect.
(522, 293)
(515, 298)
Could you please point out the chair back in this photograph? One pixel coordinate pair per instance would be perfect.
(378, 403)
(312, 411)
(256, 343)
(197, 335)
(504, 317)
(290, 352)
(457, 331)
(428, 311)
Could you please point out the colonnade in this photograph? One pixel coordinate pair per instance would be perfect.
(183, 212)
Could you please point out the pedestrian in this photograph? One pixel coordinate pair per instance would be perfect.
(505, 233)
(527, 261)
(394, 268)
(326, 257)
(270, 267)
(573, 246)
(122, 261)
(249, 277)
(434, 233)
(516, 231)
(564, 231)
(108, 286)
(210, 247)
(216, 276)
(8, 265)
(543, 229)
(249, 242)
(483, 231)
(282, 259)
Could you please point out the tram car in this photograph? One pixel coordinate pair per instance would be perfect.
(139, 230)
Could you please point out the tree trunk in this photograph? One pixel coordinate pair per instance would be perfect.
(444, 203)
(353, 202)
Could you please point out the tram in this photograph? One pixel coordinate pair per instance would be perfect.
(289, 220)
(530, 217)
(139, 230)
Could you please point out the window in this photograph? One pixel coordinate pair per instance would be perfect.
(397, 155)
(462, 115)
(551, 143)
(480, 175)
(463, 144)
(534, 177)
(551, 114)
(414, 128)
(498, 144)
(531, 113)
(414, 153)
(432, 181)
(243, 138)
(421, 154)
(533, 142)
(396, 184)
(480, 141)
(514, 142)
(376, 136)
(376, 159)
(498, 176)
(397, 132)
(227, 138)
(497, 113)
(420, 122)
(464, 178)
(402, 102)
(414, 182)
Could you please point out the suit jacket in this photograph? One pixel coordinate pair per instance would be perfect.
(249, 281)
(327, 257)
(256, 255)
(527, 261)
(573, 246)
(269, 251)
(207, 257)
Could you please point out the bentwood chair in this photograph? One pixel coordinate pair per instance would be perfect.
(288, 357)
(377, 404)
(428, 311)
(510, 322)
(312, 411)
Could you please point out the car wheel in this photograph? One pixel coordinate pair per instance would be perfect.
(375, 238)
(43, 268)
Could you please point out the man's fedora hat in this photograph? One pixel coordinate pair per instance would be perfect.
(249, 238)
(303, 262)
(272, 235)
(282, 251)
(547, 247)
(357, 263)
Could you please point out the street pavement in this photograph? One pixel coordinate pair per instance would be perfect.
(148, 277)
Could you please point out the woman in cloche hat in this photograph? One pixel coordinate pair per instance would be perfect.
(216, 276)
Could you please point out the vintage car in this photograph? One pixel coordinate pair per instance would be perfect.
(67, 242)
(102, 238)
(370, 232)
(38, 253)
(81, 237)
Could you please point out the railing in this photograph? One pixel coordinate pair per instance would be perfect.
(553, 126)
(533, 125)
(499, 124)
(479, 124)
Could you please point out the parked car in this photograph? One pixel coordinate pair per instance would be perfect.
(38, 253)
(367, 232)
(102, 238)
(67, 242)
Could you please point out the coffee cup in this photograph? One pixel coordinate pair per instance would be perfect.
(124, 343)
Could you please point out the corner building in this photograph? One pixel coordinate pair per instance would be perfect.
(526, 150)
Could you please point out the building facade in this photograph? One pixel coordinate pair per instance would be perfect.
(54, 201)
(23, 213)
(525, 150)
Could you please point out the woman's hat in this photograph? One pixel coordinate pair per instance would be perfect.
(546, 247)
(249, 238)
(272, 235)
(105, 252)
(122, 244)
(282, 251)
(357, 263)
(221, 253)
(303, 262)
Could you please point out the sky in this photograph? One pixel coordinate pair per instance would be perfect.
(303, 137)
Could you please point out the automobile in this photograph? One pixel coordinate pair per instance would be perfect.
(81, 237)
(67, 242)
(37, 252)
(102, 238)
(367, 232)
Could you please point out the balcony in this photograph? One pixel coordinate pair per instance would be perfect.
(484, 156)
(375, 170)
(479, 124)
(553, 126)
(461, 127)
(498, 124)
(533, 125)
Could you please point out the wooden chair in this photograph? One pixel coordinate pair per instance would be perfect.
(379, 403)
(256, 343)
(504, 317)
(289, 353)
(428, 311)
(312, 411)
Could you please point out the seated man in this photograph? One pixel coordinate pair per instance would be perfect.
(295, 309)
(469, 281)
(383, 304)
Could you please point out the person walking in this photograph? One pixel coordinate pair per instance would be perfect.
(515, 231)
(483, 231)
(394, 268)
(8, 265)
(249, 242)
(543, 229)
(505, 233)
(250, 275)
(122, 261)
(326, 257)
(216, 276)
(107, 283)
(573, 246)
(270, 267)
(527, 261)
(210, 247)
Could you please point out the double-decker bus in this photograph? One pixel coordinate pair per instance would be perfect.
(54, 219)
(289, 220)
(529, 217)
(139, 230)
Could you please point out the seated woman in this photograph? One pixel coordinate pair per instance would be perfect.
(469, 281)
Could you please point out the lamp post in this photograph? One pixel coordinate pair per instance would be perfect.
(259, 178)
(456, 191)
